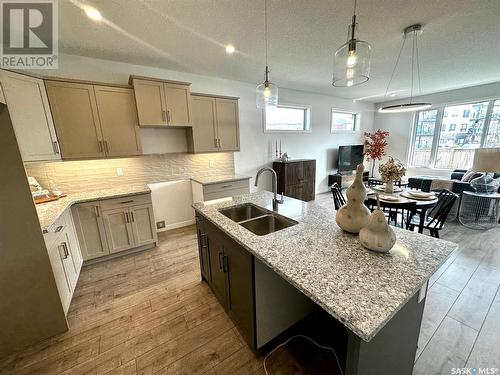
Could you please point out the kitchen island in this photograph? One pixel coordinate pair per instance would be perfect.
(379, 298)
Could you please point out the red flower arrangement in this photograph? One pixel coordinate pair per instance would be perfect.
(375, 144)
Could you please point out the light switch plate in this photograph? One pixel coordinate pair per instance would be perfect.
(211, 163)
(119, 171)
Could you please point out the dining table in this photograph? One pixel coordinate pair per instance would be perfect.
(399, 197)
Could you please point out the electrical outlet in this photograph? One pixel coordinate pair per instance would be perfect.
(160, 224)
(119, 171)
(211, 163)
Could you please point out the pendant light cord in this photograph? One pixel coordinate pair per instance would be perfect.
(418, 66)
(265, 27)
(412, 64)
(395, 67)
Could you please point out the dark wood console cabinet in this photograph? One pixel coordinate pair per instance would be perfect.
(296, 178)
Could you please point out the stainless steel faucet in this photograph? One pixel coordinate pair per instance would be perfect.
(276, 201)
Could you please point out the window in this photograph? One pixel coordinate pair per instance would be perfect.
(344, 121)
(438, 143)
(287, 118)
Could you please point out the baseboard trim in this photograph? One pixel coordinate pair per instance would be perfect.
(119, 254)
(177, 225)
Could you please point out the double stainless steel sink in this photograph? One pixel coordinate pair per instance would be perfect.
(256, 219)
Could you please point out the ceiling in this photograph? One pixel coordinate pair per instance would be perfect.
(459, 46)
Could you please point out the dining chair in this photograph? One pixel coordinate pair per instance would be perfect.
(398, 214)
(338, 197)
(436, 216)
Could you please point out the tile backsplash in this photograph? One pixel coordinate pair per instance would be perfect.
(85, 175)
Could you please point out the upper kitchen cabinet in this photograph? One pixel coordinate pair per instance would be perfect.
(29, 110)
(76, 118)
(94, 121)
(119, 124)
(215, 124)
(161, 102)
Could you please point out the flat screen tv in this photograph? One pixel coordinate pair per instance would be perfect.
(350, 157)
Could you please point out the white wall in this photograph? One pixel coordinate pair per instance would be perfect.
(255, 144)
(400, 124)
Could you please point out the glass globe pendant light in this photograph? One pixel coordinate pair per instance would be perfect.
(351, 63)
(266, 92)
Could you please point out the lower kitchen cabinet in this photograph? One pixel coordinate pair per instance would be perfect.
(65, 257)
(113, 225)
(89, 227)
(118, 230)
(261, 304)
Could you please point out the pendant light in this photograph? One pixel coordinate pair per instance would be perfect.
(410, 106)
(351, 63)
(266, 92)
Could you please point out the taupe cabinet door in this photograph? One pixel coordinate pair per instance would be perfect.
(119, 123)
(227, 124)
(215, 124)
(56, 252)
(89, 227)
(142, 220)
(178, 104)
(118, 230)
(161, 103)
(150, 100)
(31, 117)
(76, 118)
(204, 124)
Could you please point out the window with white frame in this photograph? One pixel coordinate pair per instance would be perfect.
(287, 118)
(439, 143)
(344, 121)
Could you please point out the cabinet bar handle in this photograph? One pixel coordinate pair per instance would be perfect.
(100, 146)
(65, 250)
(132, 216)
(221, 255)
(226, 186)
(106, 146)
(96, 209)
(58, 229)
(168, 116)
(163, 115)
(127, 220)
(203, 238)
(225, 265)
(125, 202)
(215, 142)
(218, 142)
(55, 145)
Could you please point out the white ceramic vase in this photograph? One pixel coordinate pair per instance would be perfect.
(354, 214)
(389, 187)
(377, 235)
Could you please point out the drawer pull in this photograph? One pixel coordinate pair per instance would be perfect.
(132, 217)
(226, 186)
(65, 250)
(59, 228)
(125, 202)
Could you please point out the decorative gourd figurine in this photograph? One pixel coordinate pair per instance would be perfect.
(354, 215)
(377, 235)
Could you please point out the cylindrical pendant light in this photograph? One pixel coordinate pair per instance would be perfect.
(266, 94)
(351, 63)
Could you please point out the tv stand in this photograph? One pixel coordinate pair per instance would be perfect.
(344, 180)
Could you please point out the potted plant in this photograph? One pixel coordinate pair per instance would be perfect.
(375, 144)
(391, 171)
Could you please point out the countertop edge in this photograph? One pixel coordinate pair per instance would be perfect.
(234, 178)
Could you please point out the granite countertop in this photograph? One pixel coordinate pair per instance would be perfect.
(217, 179)
(50, 211)
(360, 288)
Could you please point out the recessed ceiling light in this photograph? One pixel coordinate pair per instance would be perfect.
(93, 14)
(393, 94)
(230, 49)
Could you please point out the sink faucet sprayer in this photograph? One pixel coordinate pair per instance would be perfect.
(274, 185)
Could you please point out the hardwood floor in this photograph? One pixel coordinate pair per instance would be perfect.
(149, 313)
